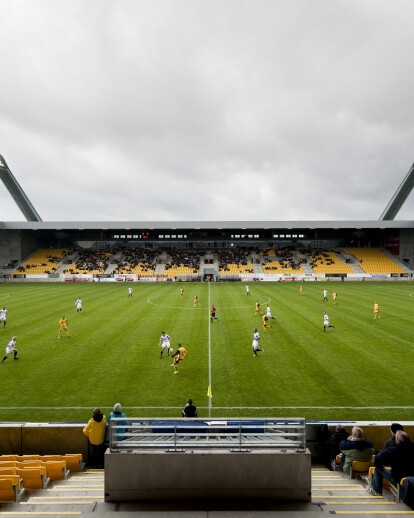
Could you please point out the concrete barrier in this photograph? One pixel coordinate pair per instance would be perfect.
(161, 475)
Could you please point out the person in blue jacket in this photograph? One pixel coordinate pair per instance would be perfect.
(117, 412)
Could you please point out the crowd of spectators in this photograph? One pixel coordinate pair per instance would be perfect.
(91, 260)
(238, 257)
(186, 258)
(285, 256)
(51, 264)
(319, 255)
(133, 257)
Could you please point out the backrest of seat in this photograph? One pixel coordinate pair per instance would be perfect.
(8, 464)
(24, 458)
(8, 471)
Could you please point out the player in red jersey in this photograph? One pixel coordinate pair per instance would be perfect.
(213, 314)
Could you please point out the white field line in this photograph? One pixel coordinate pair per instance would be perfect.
(216, 408)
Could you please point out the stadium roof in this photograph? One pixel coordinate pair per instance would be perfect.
(203, 225)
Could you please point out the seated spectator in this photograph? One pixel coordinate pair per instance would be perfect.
(394, 428)
(190, 410)
(118, 413)
(95, 431)
(333, 442)
(399, 460)
(356, 447)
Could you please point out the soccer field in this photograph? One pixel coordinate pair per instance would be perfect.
(361, 370)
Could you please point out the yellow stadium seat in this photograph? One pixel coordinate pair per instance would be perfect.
(74, 461)
(56, 470)
(359, 467)
(4, 458)
(24, 458)
(10, 490)
(34, 477)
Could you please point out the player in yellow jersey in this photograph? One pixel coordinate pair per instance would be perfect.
(63, 326)
(196, 303)
(265, 321)
(257, 310)
(301, 290)
(181, 292)
(376, 310)
(335, 297)
(178, 356)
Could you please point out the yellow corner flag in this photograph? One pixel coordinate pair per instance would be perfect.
(209, 391)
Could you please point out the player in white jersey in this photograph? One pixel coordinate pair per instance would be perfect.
(78, 305)
(11, 348)
(326, 321)
(255, 344)
(325, 294)
(165, 343)
(269, 312)
(3, 315)
(247, 290)
(129, 292)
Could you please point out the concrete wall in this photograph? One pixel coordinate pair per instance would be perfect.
(155, 475)
(60, 438)
(407, 245)
(42, 439)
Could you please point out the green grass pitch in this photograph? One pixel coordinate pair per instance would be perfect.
(361, 370)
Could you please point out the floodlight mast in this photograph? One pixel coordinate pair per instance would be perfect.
(401, 194)
(17, 192)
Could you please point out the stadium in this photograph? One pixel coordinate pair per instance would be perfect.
(137, 279)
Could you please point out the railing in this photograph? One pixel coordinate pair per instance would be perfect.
(230, 434)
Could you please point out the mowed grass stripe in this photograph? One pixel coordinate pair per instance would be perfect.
(113, 354)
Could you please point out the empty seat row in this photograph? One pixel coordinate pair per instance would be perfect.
(21, 472)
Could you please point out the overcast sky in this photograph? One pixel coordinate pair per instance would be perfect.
(206, 110)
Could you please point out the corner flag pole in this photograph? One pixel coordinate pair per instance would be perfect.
(209, 395)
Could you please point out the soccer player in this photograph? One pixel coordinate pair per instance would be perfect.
(179, 356)
(63, 326)
(301, 290)
(326, 321)
(11, 348)
(196, 303)
(165, 341)
(181, 292)
(3, 315)
(269, 312)
(213, 314)
(248, 290)
(325, 294)
(265, 321)
(129, 292)
(257, 310)
(376, 310)
(255, 344)
(78, 305)
(334, 297)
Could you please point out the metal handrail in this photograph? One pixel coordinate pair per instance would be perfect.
(233, 434)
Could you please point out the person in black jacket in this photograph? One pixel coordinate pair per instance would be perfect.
(332, 444)
(394, 429)
(399, 459)
(190, 410)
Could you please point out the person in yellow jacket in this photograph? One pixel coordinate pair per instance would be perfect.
(95, 432)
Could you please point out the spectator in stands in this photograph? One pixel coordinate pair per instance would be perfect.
(333, 442)
(399, 460)
(117, 412)
(95, 432)
(356, 447)
(394, 429)
(190, 410)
